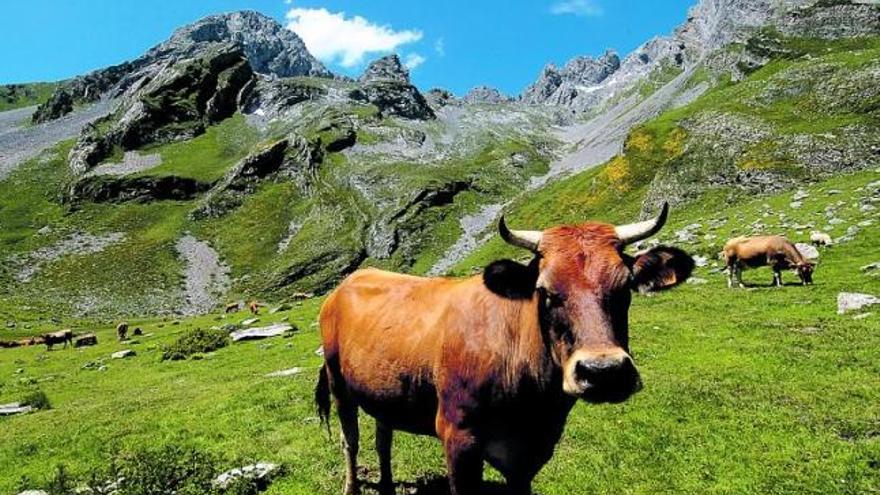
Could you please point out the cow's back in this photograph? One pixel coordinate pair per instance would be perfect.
(756, 251)
(381, 333)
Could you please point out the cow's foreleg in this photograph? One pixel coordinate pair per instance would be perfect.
(464, 461)
(384, 436)
(731, 270)
(739, 277)
(348, 420)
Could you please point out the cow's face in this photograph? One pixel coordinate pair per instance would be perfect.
(805, 272)
(583, 288)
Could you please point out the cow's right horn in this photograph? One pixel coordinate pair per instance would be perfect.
(528, 239)
(635, 232)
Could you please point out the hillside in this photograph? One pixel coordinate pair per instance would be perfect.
(373, 173)
(778, 396)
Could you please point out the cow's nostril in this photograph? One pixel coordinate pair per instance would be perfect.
(595, 373)
(606, 373)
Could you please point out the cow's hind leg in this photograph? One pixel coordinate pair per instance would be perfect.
(384, 436)
(348, 420)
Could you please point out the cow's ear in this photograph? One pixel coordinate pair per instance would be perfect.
(660, 268)
(510, 279)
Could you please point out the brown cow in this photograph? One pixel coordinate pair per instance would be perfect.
(232, 307)
(65, 336)
(774, 251)
(255, 306)
(490, 364)
(121, 331)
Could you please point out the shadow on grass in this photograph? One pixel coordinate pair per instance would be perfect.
(771, 285)
(435, 484)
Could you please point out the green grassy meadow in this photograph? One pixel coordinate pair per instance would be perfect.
(757, 390)
(14, 96)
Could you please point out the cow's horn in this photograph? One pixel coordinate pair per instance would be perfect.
(635, 232)
(527, 239)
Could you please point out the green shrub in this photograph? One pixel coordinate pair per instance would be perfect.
(37, 399)
(194, 342)
(167, 469)
(61, 483)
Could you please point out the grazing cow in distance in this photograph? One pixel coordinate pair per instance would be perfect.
(137, 331)
(61, 336)
(491, 364)
(232, 307)
(121, 331)
(774, 251)
(820, 238)
(255, 306)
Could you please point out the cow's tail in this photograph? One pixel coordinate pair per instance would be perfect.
(322, 397)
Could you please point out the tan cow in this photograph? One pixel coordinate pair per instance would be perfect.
(774, 251)
(491, 364)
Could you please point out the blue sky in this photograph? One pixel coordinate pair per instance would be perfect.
(456, 44)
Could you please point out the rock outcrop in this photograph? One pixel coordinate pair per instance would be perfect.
(269, 48)
(439, 98)
(485, 94)
(58, 105)
(385, 83)
(177, 103)
(586, 83)
(291, 158)
(388, 68)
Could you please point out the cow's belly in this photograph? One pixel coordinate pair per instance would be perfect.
(400, 403)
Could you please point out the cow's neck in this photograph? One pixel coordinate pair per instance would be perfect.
(530, 363)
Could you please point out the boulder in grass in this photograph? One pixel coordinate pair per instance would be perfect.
(261, 333)
(871, 267)
(260, 472)
(14, 408)
(123, 354)
(807, 251)
(853, 301)
(33, 492)
(249, 321)
(88, 339)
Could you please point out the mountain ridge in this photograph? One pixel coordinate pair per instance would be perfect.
(293, 182)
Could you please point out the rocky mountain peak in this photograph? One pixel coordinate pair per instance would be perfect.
(485, 94)
(561, 86)
(387, 68)
(588, 70)
(269, 47)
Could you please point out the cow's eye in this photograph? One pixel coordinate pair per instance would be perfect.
(551, 299)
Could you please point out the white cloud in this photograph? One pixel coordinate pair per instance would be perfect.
(334, 38)
(440, 47)
(584, 8)
(413, 60)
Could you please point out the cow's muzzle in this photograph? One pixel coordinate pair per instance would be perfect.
(604, 376)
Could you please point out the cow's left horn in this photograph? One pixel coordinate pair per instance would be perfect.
(528, 239)
(635, 232)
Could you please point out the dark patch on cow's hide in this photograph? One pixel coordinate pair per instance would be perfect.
(663, 267)
(510, 279)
